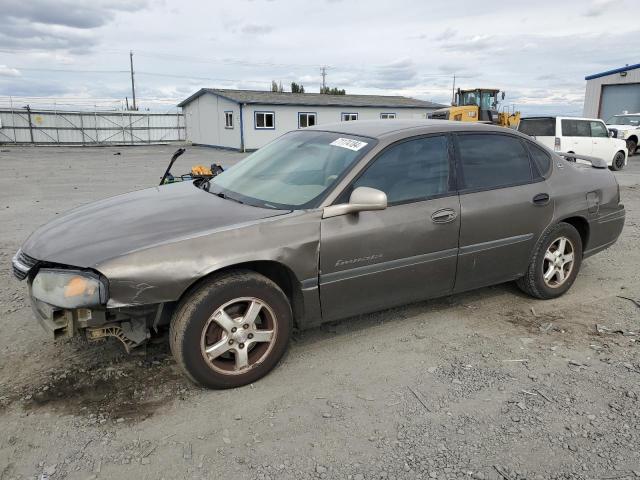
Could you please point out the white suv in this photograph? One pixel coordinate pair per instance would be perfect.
(626, 127)
(582, 136)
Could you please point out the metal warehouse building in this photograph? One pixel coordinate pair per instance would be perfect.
(612, 92)
(247, 119)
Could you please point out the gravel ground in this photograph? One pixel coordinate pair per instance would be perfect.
(489, 384)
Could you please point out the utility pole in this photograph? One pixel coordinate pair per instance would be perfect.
(323, 72)
(133, 83)
(453, 90)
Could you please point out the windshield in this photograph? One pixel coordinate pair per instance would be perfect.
(625, 120)
(294, 171)
(469, 98)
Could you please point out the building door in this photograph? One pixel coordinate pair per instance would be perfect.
(617, 99)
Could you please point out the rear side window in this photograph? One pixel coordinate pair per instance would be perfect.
(575, 128)
(538, 127)
(540, 158)
(410, 171)
(492, 161)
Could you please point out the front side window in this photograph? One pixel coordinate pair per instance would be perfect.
(228, 119)
(387, 116)
(575, 128)
(413, 170)
(488, 101)
(306, 119)
(599, 130)
(348, 117)
(492, 161)
(294, 171)
(265, 120)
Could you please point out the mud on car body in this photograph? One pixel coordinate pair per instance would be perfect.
(321, 224)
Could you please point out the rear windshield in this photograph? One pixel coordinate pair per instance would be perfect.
(538, 127)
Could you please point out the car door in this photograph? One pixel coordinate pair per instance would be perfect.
(603, 147)
(505, 204)
(576, 136)
(407, 252)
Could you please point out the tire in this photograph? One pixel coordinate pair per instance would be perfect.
(618, 161)
(246, 338)
(533, 283)
(632, 146)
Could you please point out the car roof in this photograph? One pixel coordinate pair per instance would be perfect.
(563, 118)
(384, 128)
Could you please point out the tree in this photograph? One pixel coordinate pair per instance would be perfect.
(332, 91)
(295, 88)
(280, 88)
(274, 86)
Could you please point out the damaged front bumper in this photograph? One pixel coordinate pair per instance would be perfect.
(131, 327)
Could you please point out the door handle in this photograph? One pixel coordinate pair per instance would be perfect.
(541, 199)
(445, 215)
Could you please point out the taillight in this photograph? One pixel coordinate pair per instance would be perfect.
(557, 145)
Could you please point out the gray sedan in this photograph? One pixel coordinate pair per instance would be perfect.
(321, 224)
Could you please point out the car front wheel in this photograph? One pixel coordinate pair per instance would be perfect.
(632, 146)
(555, 263)
(232, 330)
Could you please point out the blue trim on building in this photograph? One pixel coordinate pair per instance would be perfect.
(611, 72)
(255, 118)
(315, 114)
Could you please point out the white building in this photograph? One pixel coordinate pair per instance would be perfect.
(247, 119)
(612, 92)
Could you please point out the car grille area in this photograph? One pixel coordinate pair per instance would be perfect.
(22, 265)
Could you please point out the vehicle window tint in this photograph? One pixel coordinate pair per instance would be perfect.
(490, 161)
(576, 128)
(538, 127)
(599, 130)
(541, 158)
(411, 170)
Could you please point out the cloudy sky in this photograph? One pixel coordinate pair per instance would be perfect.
(539, 52)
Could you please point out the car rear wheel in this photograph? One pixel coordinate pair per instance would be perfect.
(618, 161)
(232, 330)
(555, 263)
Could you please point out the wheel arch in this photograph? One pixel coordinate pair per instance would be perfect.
(581, 225)
(275, 271)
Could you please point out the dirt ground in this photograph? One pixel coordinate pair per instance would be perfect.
(489, 384)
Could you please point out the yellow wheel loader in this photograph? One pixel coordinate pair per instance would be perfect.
(478, 105)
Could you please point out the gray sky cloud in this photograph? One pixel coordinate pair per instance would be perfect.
(407, 47)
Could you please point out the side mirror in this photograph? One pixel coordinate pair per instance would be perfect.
(362, 199)
(610, 134)
(502, 95)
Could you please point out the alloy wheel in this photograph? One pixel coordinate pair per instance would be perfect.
(239, 335)
(558, 262)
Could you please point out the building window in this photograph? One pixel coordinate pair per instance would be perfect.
(306, 119)
(228, 119)
(348, 117)
(265, 120)
(387, 116)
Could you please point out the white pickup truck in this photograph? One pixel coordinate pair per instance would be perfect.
(626, 127)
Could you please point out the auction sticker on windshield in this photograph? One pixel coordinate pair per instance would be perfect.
(349, 143)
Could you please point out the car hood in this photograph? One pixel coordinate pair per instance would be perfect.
(94, 233)
(623, 127)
